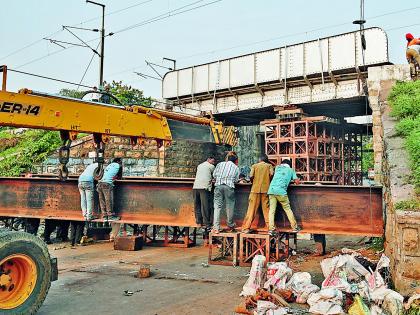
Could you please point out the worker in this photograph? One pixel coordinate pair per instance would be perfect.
(62, 233)
(105, 97)
(228, 154)
(76, 232)
(260, 176)
(320, 244)
(86, 189)
(49, 228)
(226, 174)
(106, 189)
(283, 176)
(202, 193)
(413, 49)
(92, 95)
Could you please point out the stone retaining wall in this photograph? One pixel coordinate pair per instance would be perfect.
(178, 160)
(402, 238)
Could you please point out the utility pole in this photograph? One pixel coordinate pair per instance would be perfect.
(101, 62)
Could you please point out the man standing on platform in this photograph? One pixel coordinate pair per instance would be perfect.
(260, 175)
(277, 192)
(202, 193)
(226, 175)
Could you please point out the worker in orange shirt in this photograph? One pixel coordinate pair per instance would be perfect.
(413, 49)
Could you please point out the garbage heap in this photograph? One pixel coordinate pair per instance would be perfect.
(353, 284)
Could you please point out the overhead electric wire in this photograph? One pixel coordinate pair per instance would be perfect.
(167, 14)
(29, 45)
(88, 66)
(80, 23)
(48, 78)
(117, 11)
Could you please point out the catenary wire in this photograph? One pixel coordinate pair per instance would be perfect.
(80, 23)
(49, 78)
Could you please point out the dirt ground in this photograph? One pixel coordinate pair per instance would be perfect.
(93, 278)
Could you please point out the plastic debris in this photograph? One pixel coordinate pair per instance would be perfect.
(256, 276)
(345, 263)
(277, 275)
(264, 306)
(414, 299)
(128, 293)
(301, 285)
(326, 301)
(358, 307)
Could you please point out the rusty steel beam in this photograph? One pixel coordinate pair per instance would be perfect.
(348, 210)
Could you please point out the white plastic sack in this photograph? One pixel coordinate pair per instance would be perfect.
(376, 310)
(327, 301)
(375, 279)
(305, 292)
(256, 276)
(279, 311)
(337, 280)
(346, 263)
(264, 306)
(380, 294)
(280, 277)
(298, 280)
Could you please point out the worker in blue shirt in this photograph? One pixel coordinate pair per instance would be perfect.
(86, 189)
(277, 192)
(106, 189)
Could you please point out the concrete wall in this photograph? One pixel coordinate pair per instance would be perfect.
(402, 230)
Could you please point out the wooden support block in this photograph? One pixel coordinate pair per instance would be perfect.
(129, 243)
(223, 249)
(173, 236)
(273, 248)
(98, 233)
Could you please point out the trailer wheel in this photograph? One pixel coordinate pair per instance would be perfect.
(25, 273)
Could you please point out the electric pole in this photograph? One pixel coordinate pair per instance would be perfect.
(101, 56)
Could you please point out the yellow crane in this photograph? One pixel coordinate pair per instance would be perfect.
(69, 116)
(26, 268)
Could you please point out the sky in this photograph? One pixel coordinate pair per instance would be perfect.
(219, 29)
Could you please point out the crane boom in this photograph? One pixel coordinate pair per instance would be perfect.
(69, 116)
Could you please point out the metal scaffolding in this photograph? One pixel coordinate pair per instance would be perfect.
(320, 148)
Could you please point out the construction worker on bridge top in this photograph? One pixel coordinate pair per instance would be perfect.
(413, 49)
(277, 192)
(260, 176)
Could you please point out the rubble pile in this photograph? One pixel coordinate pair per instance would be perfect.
(353, 284)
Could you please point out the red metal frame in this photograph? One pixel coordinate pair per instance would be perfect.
(319, 151)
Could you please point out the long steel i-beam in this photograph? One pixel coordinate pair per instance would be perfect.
(349, 210)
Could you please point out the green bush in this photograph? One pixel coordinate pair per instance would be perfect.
(412, 204)
(34, 146)
(404, 100)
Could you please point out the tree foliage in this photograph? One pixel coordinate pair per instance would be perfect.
(126, 94)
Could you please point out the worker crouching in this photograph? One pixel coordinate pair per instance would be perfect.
(106, 189)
